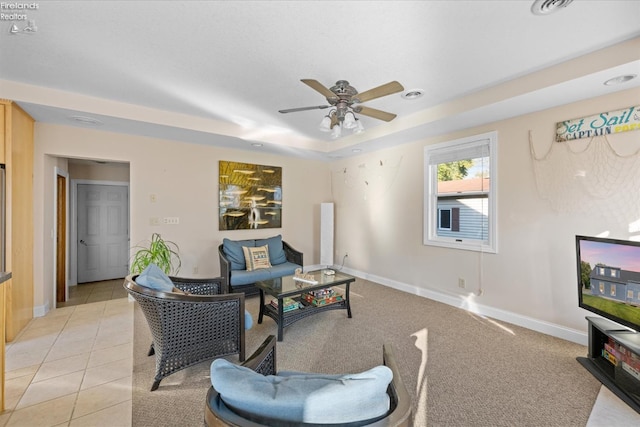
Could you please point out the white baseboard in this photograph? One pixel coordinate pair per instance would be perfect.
(41, 310)
(467, 303)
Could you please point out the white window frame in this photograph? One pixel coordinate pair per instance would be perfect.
(431, 220)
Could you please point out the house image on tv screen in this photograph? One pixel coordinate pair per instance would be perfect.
(616, 284)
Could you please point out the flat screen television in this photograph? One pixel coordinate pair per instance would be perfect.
(609, 278)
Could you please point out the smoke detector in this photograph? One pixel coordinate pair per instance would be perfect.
(547, 7)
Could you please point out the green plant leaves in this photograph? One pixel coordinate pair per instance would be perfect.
(163, 253)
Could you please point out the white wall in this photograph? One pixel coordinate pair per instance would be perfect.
(532, 280)
(184, 177)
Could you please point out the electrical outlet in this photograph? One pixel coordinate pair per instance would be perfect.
(462, 283)
(195, 270)
(171, 220)
(153, 198)
(154, 220)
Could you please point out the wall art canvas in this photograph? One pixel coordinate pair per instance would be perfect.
(250, 196)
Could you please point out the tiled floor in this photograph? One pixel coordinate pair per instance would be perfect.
(94, 292)
(73, 366)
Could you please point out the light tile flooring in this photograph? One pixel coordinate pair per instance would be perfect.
(73, 367)
(94, 292)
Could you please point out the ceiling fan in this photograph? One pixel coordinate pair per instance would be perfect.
(343, 96)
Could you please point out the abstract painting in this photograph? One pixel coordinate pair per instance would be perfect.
(250, 196)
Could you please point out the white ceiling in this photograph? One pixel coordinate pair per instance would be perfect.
(217, 72)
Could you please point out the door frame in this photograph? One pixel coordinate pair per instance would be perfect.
(56, 173)
(73, 271)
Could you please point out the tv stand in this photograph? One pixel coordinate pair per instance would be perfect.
(622, 378)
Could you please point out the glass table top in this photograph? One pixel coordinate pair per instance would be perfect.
(284, 286)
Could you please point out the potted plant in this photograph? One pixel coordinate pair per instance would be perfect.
(160, 252)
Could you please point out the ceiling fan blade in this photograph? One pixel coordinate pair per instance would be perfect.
(376, 114)
(377, 92)
(319, 87)
(295, 110)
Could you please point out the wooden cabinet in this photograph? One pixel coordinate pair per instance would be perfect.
(19, 218)
(3, 278)
(16, 152)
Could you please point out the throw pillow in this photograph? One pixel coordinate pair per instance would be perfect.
(309, 398)
(276, 250)
(248, 320)
(234, 252)
(257, 257)
(154, 278)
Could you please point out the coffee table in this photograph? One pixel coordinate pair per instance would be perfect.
(283, 287)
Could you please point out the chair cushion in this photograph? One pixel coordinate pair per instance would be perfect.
(244, 277)
(301, 397)
(257, 257)
(154, 278)
(276, 250)
(233, 250)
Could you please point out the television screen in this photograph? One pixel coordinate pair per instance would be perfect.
(609, 278)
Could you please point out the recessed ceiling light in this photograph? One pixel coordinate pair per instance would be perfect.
(256, 144)
(547, 7)
(413, 94)
(86, 120)
(356, 150)
(620, 79)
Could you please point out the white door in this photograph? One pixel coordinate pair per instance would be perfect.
(103, 232)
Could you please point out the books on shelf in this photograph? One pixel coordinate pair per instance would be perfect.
(288, 304)
(617, 353)
(321, 293)
(322, 297)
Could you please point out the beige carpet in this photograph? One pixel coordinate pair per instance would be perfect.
(460, 369)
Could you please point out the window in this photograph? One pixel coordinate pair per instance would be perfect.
(630, 295)
(460, 199)
(601, 287)
(444, 219)
(613, 290)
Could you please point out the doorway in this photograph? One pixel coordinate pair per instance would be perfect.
(68, 175)
(61, 238)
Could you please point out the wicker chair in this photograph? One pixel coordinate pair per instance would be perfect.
(191, 328)
(263, 361)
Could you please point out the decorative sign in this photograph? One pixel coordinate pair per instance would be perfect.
(250, 196)
(601, 124)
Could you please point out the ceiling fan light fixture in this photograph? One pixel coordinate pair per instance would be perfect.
(337, 132)
(359, 128)
(349, 120)
(342, 98)
(325, 124)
